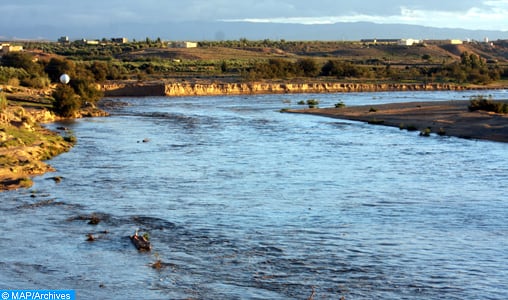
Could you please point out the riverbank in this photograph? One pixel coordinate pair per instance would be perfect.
(209, 88)
(25, 144)
(450, 118)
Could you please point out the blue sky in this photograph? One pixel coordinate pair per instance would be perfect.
(467, 14)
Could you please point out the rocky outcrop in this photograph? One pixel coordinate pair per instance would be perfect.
(189, 89)
(136, 89)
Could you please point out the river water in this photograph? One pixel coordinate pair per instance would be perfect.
(243, 202)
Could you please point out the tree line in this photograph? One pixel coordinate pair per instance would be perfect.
(471, 69)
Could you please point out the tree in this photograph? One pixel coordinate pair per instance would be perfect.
(308, 66)
(99, 70)
(56, 67)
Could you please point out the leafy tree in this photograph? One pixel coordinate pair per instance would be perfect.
(99, 70)
(342, 69)
(308, 66)
(57, 66)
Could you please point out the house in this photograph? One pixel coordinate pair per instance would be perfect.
(8, 48)
(184, 45)
(121, 40)
(380, 41)
(443, 42)
(408, 42)
(87, 42)
(64, 40)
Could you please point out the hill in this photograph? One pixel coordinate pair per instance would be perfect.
(219, 30)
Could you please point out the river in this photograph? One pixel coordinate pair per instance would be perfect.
(244, 202)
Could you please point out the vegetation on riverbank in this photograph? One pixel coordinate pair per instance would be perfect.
(487, 104)
(25, 144)
(244, 60)
(29, 95)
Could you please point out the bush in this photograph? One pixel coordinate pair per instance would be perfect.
(9, 73)
(38, 82)
(312, 103)
(340, 104)
(22, 60)
(426, 132)
(487, 104)
(67, 103)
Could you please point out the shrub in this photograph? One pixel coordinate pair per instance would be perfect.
(312, 103)
(426, 132)
(22, 60)
(14, 81)
(38, 82)
(340, 104)
(487, 104)
(10, 73)
(66, 101)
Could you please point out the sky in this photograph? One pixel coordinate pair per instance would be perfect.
(467, 14)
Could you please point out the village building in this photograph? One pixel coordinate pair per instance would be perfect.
(64, 40)
(443, 42)
(121, 40)
(184, 44)
(408, 42)
(8, 48)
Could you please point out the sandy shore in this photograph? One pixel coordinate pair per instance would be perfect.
(451, 118)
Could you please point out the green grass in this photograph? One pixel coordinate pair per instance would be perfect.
(20, 137)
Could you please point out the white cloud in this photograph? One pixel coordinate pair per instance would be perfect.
(485, 15)
(492, 16)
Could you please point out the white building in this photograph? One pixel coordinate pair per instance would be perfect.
(7, 48)
(408, 42)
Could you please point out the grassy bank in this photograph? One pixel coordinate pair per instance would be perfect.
(25, 145)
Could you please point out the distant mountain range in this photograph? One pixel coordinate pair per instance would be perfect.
(253, 31)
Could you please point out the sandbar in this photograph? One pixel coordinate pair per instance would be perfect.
(449, 118)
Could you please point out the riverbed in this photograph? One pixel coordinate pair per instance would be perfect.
(244, 202)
